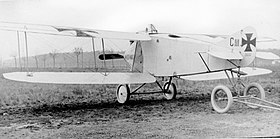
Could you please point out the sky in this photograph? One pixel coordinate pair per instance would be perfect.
(175, 16)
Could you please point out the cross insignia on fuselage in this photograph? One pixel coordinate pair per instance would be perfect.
(248, 42)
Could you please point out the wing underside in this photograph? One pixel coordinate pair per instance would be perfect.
(80, 77)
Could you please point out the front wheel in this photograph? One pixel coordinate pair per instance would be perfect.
(171, 92)
(221, 99)
(123, 93)
(254, 90)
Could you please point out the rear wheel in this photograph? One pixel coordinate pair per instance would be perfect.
(171, 92)
(123, 93)
(254, 90)
(221, 99)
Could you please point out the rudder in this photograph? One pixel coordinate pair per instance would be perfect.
(244, 42)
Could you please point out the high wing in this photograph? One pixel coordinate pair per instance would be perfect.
(246, 72)
(214, 38)
(36, 31)
(105, 34)
(68, 31)
(81, 77)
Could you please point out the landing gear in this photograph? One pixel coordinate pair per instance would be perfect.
(170, 91)
(123, 93)
(254, 90)
(221, 99)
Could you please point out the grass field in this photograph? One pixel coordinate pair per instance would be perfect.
(91, 111)
(27, 94)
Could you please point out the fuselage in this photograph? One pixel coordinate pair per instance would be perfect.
(164, 56)
(171, 55)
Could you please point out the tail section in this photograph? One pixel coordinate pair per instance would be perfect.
(243, 42)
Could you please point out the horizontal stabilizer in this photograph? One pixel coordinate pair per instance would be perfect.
(267, 55)
(226, 55)
(250, 71)
(81, 77)
(110, 56)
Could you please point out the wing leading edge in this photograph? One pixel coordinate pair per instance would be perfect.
(80, 77)
(105, 34)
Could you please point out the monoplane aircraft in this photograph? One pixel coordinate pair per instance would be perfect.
(153, 55)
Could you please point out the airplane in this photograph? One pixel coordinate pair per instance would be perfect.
(153, 55)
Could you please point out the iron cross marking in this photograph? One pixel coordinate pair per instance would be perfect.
(248, 42)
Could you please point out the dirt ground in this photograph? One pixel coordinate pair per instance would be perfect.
(186, 117)
(61, 111)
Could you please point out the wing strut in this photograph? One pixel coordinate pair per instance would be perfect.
(102, 40)
(26, 46)
(19, 57)
(233, 64)
(93, 48)
(204, 62)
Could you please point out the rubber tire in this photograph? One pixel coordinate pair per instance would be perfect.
(259, 87)
(229, 98)
(125, 94)
(172, 89)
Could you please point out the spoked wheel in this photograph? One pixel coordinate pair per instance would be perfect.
(123, 93)
(221, 99)
(254, 90)
(171, 92)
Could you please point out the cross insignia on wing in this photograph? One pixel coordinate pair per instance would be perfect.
(248, 42)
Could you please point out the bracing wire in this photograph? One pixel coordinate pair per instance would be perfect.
(49, 44)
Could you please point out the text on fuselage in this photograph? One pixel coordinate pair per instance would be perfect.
(233, 41)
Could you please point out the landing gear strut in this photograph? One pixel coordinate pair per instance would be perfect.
(253, 95)
(169, 91)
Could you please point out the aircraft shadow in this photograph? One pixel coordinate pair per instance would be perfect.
(111, 106)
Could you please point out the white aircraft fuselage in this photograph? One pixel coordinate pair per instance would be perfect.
(171, 55)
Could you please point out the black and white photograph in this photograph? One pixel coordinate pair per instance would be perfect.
(136, 69)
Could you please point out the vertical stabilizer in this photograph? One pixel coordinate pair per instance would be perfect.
(243, 42)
